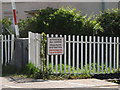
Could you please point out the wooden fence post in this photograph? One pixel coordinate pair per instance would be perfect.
(117, 53)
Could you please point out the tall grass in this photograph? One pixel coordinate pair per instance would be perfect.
(88, 69)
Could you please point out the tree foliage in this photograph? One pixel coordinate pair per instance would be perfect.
(59, 21)
(7, 23)
(110, 21)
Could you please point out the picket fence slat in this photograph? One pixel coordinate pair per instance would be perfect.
(2, 48)
(90, 54)
(65, 54)
(110, 55)
(69, 53)
(56, 56)
(98, 55)
(86, 54)
(60, 61)
(5, 50)
(81, 54)
(94, 56)
(114, 53)
(117, 53)
(8, 48)
(102, 55)
(77, 55)
(73, 54)
(12, 47)
(106, 54)
(52, 58)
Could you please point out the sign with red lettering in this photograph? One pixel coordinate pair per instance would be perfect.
(55, 46)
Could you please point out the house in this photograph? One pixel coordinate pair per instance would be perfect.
(27, 8)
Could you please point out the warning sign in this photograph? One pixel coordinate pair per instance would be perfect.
(55, 46)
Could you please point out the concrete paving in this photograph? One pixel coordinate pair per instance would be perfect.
(8, 82)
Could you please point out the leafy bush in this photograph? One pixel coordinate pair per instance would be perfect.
(110, 21)
(59, 21)
(31, 70)
(7, 24)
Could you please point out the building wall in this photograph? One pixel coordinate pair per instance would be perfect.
(85, 7)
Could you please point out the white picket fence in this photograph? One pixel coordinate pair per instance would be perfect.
(6, 48)
(82, 54)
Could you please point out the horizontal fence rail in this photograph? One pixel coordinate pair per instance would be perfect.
(6, 49)
(86, 54)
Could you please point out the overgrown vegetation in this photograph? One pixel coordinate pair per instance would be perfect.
(7, 24)
(110, 21)
(33, 72)
(60, 21)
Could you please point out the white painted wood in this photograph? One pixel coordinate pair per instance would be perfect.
(73, 54)
(12, 47)
(36, 60)
(52, 58)
(78, 55)
(65, 54)
(47, 57)
(81, 54)
(29, 45)
(110, 55)
(69, 53)
(114, 52)
(106, 54)
(90, 54)
(117, 53)
(8, 48)
(1, 48)
(5, 50)
(52, 63)
(94, 56)
(56, 56)
(60, 61)
(102, 55)
(98, 56)
(86, 54)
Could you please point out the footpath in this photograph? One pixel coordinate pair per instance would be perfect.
(10, 82)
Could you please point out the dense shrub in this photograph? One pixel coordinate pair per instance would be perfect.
(60, 21)
(110, 21)
(7, 24)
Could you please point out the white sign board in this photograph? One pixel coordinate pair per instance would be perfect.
(55, 46)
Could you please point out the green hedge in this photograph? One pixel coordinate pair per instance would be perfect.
(110, 21)
(60, 21)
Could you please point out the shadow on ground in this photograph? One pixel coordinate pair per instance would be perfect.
(24, 80)
(109, 77)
